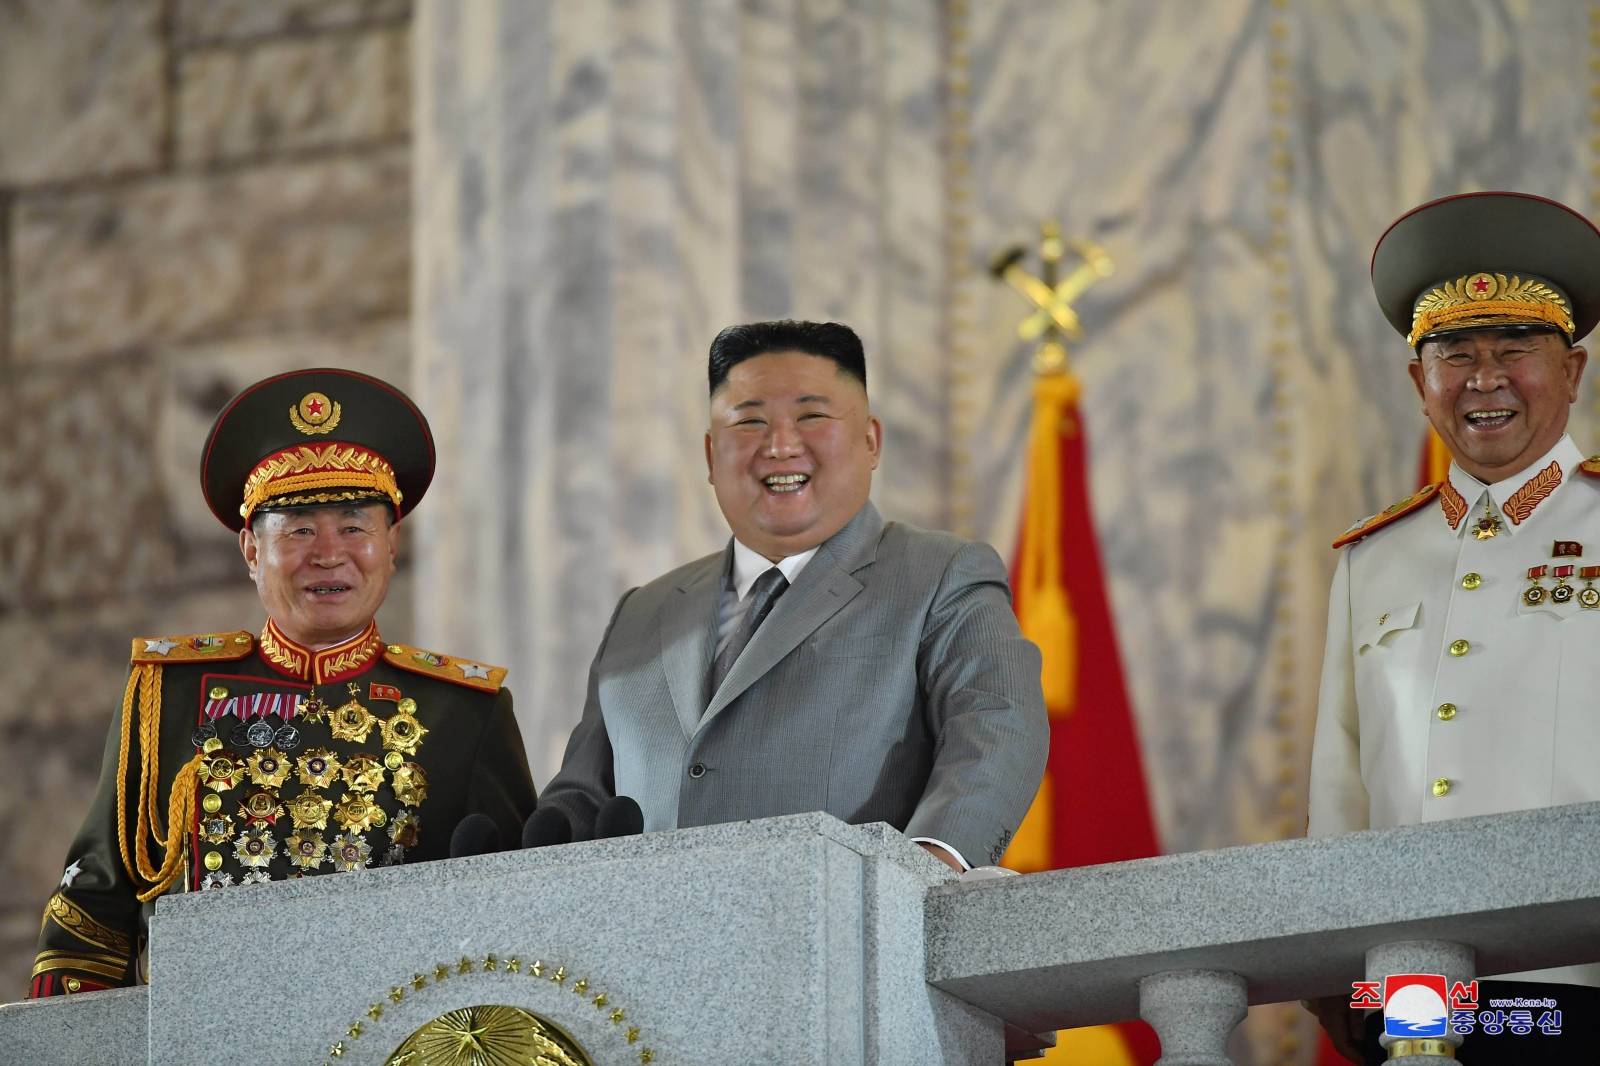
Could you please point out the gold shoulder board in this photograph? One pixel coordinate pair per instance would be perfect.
(1368, 526)
(481, 676)
(1591, 466)
(208, 647)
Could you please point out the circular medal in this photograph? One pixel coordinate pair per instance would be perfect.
(240, 736)
(259, 734)
(287, 738)
(1534, 596)
(203, 734)
(1561, 594)
(1589, 597)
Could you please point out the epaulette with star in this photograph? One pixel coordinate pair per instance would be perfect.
(202, 647)
(1591, 466)
(480, 676)
(1368, 526)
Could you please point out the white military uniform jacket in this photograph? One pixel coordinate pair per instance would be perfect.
(1446, 691)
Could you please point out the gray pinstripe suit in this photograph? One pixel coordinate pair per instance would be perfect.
(890, 683)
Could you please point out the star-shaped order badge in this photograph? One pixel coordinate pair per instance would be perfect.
(71, 873)
(160, 647)
(473, 670)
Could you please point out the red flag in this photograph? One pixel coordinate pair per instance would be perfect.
(1093, 806)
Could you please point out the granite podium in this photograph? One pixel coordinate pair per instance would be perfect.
(805, 940)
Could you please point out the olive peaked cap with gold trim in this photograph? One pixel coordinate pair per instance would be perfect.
(312, 438)
(1488, 260)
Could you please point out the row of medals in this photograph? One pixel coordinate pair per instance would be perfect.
(1588, 596)
(271, 762)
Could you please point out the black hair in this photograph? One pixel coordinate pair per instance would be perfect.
(830, 340)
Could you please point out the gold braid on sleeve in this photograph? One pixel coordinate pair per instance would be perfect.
(143, 697)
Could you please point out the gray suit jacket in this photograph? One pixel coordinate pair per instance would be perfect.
(890, 683)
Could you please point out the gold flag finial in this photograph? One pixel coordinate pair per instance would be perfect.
(1053, 319)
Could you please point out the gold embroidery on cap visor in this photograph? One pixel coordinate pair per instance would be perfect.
(288, 476)
(1482, 300)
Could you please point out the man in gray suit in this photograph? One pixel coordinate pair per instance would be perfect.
(825, 659)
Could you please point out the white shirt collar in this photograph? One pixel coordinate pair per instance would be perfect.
(1564, 454)
(749, 564)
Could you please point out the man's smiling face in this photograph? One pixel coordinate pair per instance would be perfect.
(321, 572)
(791, 451)
(1498, 398)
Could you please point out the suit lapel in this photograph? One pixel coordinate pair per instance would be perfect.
(688, 638)
(823, 587)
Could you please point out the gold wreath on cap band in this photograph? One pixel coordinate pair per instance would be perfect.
(315, 414)
(290, 475)
(1484, 299)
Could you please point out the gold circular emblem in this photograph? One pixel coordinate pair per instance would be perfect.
(1478, 287)
(219, 693)
(490, 1034)
(213, 860)
(1590, 597)
(315, 408)
(212, 803)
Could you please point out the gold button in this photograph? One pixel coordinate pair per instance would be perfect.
(1459, 648)
(1441, 787)
(408, 705)
(1446, 711)
(393, 760)
(395, 649)
(212, 803)
(219, 693)
(74, 985)
(1471, 581)
(1382, 618)
(213, 860)
(379, 818)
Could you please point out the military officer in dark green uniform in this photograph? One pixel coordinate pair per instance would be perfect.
(313, 746)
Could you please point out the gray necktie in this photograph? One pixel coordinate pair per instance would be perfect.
(763, 594)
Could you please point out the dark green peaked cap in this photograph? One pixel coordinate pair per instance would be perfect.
(313, 437)
(1488, 260)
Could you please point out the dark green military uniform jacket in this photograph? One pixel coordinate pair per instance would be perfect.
(286, 762)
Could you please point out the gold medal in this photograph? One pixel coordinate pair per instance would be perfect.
(402, 732)
(1534, 595)
(216, 829)
(261, 806)
(363, 773)
(312, 709)
(310, 810)
(1589, 596)
(352, 722)
(255, 847)
(268, 768)
(307, 851)
(351, 852)
(220, 771)
(405, 829)
(1563, 592)
(357, 811)
(1488, 526)
(410, 785)
(319, 768)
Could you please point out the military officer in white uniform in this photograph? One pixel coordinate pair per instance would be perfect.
(1460, 676)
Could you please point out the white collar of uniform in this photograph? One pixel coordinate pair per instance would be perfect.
(1517, 496)
(749, 564)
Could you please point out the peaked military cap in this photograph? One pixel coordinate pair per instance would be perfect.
(1488, 260)
(315, 437)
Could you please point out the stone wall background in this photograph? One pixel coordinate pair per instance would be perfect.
(193, 194)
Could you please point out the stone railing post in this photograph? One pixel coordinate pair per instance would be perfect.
(1193, 1012)
(1457, 962)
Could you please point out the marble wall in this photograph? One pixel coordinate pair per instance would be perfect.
(193, 194)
